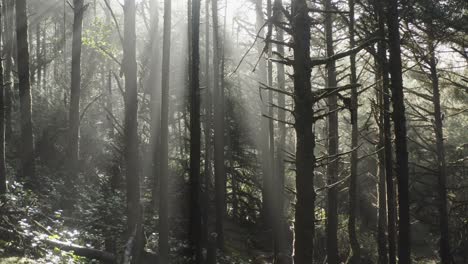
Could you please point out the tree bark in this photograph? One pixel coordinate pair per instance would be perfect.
(3, 185)
(333, 143)
(164, 185)
(220, 174)
(305, 160)
(271, 133)
(444, 242)
(27, 142)
(389, 178)
(381, 185)
(195, 134)
(75, 91)
(280, 245)
(129, 65)
(208, 105)
(38, 55)
(155, 102)
(8, 7)
(264, 138)
(399, 119)
(355, 256)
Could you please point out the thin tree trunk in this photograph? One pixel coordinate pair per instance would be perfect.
(134, 213)
(355, 256)
(164, 185)
(264, 123)
(220, 174)
(3, 185)
(280, 248)
(444, 242)
(110, 106)
(8, 49)
(305, 160)
(75, 90)
(155, 102)
(399, 119)
(381, 188)
(44, 59)
(333, 143)
(38, 56)
(208, 128)
(391, 210)
(27, 142)
(271, 133)
(195, 134)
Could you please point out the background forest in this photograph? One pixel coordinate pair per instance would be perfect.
(234, 131)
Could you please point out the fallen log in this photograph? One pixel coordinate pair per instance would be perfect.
(78, 250)
(86, 252)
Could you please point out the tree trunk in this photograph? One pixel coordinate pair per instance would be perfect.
(271, 133)
(355, 256)
(399, 119)
(220, 175)
(155, 103)
(444, 242)
(38, 55)
(8, 6)
(207, 175)
(75, 90)
(381, 188)
(305, 160)
(264, 123)
(280, 245)
(129, 65)
(164, 174)
(3, 185)
(195, 134)
(109, 106)
(383, 63)
(43, 61)
(27, 142)
(333, 142)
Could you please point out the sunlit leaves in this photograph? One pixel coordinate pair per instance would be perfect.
(98, 36)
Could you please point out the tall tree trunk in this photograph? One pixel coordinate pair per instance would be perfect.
(75, 90)
(109, 106)
(399, 119)
(391, 210)
(280, 245)
(131, 130)
(264, 124)
(381, 188)
(355, 256)
(208, 129)
(195, 134)
(220, 175)
(155, 102)
(3, 187)
(38, 55)
(27, 142)
(333, 141)
(305, 160)
(164, 185)
(271, 131)
(43, 60)
(444, 242)
(8, 6)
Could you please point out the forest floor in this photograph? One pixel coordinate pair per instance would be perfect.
(246, 246)
(16, 260)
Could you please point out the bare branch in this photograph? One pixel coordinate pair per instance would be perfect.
(322, 61)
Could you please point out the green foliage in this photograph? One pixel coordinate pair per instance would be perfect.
(97, 37)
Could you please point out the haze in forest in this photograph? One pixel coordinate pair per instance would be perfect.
(233, 131)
